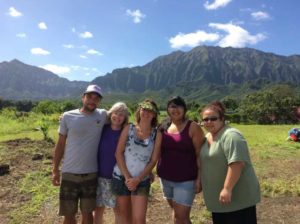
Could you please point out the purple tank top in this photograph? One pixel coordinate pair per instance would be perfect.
(178, 157)
(106, 151)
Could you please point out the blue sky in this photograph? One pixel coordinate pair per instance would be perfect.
(83, 39)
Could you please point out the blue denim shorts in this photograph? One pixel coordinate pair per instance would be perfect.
(182, 193)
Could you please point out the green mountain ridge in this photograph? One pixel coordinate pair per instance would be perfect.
(20, 81)
(203, 73)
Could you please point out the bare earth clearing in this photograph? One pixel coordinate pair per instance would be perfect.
(284, 210)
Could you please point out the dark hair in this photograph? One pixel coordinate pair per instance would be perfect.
(177, 100)
(154, 121)
(216, 106)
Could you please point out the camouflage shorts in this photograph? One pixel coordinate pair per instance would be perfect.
(76, 188)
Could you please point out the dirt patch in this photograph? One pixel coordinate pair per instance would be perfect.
(19, 153)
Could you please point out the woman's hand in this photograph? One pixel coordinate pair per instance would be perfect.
(225, 196)
(132, 183)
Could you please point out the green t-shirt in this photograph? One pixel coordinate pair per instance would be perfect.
(229, 146)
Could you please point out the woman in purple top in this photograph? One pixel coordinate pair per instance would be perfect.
(178, 166)
(118, 118)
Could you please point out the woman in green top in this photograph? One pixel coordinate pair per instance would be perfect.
(230, 186)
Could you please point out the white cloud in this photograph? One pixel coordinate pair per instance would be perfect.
(21, 35)
(216, 4)
(39, 51)
(236, 36)
(94, 52)
(73, 30)
(137, 15)
(83, 56)
(59, 70)
(192, 39)
(260, 15)
(14, 13)
(42, 26)
(86, 35)
(86, 70)
(68, 46)
(95, 69)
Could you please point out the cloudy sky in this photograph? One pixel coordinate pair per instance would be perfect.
(83, 39)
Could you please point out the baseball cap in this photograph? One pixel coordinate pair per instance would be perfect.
(93, 89)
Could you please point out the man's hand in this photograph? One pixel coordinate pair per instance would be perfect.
(55, 177)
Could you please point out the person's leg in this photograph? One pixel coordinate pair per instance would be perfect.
(181, 214)
(68, 198)
(123, 201)
(167, 189)
(117, 215)
(87, 217)
(219, 218)
(139, 208)
(98, 215)
(88, 188)
(69, 219)
(100, 203)
(243, 216)
(170, 202)
(184, 194)
(249, 215)
(124, 209)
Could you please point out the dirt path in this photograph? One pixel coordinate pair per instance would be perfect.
(19, 153)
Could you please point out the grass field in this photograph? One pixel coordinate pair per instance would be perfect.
(27, 196)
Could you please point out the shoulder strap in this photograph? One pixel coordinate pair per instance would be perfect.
(153, 133)
(131, 129)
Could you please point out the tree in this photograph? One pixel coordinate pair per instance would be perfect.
(269, 106)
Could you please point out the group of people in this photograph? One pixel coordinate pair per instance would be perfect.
(108, 162)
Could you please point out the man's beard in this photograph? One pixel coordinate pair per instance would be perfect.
(87, 108)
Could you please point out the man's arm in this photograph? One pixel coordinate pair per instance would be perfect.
(58, 155)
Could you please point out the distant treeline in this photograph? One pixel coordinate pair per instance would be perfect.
(279, 105)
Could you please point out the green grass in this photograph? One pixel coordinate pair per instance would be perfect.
(275, 160)
(39, 187)
(14, 128)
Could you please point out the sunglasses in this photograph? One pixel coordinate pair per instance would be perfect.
(210, 119)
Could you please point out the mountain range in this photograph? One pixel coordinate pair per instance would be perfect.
(203, 73)
(19, 81)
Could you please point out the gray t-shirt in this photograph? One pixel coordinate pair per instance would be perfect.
(83, 133)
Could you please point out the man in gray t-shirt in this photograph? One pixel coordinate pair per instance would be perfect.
(79, 135)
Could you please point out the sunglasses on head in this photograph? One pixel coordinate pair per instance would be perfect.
(210, 119)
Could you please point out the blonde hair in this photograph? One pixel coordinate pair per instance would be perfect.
(119, 107)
